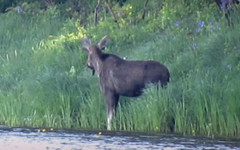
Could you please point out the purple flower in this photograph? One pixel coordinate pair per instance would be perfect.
(177, 23)
(131, 21)
(225, 7)
(229, 66)
(211, 23)
(19, 10)
(201, 24)
(211, 29)
(195, 46)
(225, 4)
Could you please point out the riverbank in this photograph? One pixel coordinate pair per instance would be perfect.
(65, 139)
(45, 83)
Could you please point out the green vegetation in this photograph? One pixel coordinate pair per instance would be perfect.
(44, 81)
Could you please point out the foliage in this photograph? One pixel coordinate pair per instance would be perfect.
(44, 81)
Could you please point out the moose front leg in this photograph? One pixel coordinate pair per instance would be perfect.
(111, 104)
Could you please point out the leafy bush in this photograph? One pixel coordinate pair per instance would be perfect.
(45, 83)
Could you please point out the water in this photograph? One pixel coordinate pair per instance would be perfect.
(32, 139)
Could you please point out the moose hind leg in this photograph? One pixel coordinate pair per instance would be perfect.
(111, 102)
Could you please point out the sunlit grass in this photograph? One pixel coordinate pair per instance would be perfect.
(44, 81)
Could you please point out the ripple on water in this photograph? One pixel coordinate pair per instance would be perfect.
(28, 139)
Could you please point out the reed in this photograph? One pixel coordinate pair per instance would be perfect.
(44, 81)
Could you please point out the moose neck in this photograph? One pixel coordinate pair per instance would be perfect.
(98, 63)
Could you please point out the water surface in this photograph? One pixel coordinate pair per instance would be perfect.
(32, 139)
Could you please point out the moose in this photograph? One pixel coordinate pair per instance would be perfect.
(119, 77)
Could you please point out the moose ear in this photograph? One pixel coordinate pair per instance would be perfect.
(86, 42)
(103, 42)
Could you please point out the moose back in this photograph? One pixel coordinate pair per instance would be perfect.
(119, 77)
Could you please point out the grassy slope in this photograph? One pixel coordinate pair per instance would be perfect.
(44, 81)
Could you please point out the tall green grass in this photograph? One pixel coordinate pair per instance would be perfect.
(44, 81)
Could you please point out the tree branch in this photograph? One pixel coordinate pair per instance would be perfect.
(96, 13)
(144, 9)
(110, 10)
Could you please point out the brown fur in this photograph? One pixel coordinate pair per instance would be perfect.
(119, 77)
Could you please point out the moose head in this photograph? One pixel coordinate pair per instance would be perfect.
(94, 53)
